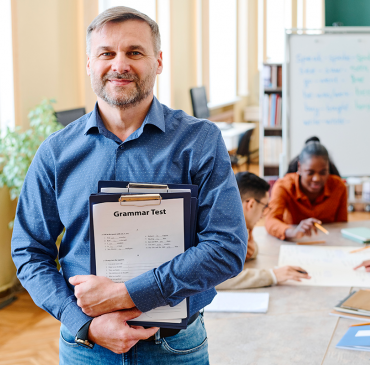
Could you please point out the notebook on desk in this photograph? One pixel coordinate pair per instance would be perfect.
(356, 338)
(358, 234)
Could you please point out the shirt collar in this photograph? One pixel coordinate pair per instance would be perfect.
(155, 117)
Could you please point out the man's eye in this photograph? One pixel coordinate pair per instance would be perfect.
(107, 54)
(135, 54)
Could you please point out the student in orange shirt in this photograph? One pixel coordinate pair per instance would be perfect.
(311, 195)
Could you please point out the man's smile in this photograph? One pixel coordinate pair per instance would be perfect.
(120, 82)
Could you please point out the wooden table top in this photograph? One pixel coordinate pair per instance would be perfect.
(297, 329)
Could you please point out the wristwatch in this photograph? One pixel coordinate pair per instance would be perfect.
(82, 336)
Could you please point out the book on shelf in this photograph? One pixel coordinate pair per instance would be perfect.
(272, 76)
(272, 148)
(272, 110)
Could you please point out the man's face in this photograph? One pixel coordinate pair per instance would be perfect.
(122, 63)
(254, 210)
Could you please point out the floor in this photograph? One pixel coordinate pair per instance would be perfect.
(30, 336)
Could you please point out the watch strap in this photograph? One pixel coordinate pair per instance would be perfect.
(82, 336)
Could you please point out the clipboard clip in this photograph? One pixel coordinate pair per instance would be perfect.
(141, 199)
(146, 186)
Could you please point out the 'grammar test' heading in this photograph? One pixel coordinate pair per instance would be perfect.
(144, 212)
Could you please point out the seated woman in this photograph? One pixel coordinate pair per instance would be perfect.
(311, 195)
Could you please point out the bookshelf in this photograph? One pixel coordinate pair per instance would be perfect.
(270, 119)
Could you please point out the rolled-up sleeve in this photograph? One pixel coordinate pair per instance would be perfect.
(221, 233)
(36, 229)
(274, 221)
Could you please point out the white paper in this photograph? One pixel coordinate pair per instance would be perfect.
(239, 302)
(363, 333)
(144, 191)
(327, 265)
(131, 240)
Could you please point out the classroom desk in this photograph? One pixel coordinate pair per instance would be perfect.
(231, 133)
(297, 328)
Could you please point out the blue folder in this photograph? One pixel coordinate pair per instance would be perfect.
(188, 242)
(356, 338)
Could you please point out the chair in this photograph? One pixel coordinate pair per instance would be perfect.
(67, 116)
(199, 102)
(243, 154)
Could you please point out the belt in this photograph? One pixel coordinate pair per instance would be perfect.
(168, 332)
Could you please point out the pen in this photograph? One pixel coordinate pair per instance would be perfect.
(360, 249)
(302, 272)
(321, 228)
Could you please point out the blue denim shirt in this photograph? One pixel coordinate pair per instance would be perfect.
(169, 147)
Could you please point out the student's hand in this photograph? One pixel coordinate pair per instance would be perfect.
(304, 228)
(365, 264)
(290, 273)
(250, 249)
(97, 295)
(112, 332)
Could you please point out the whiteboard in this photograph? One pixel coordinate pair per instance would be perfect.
(328, 95)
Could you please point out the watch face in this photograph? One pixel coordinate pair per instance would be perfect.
(84, 343)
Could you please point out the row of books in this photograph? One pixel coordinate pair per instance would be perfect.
(272, 148)
(272, 76)
(272, 110)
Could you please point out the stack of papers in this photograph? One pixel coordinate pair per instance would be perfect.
(239, 302)
(358, 303)
(356, 338)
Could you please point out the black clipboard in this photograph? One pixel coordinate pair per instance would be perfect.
(104, 198)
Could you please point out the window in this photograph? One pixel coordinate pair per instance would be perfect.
(222, 51)
(279, 14)
(6, 68)
(158, 10)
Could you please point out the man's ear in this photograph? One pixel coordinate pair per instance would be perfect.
(88, 65)
(160, 63)
(249, 204)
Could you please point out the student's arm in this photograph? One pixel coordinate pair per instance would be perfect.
(342, 212)
(249, 278)
(256, 278)
(274, 221)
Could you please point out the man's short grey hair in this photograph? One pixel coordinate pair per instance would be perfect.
(120, 14)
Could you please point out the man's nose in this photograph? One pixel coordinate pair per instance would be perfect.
(316, 177)
(121, 64)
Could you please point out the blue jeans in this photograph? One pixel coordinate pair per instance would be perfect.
(189, 346)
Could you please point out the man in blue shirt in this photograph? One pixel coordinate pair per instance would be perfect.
(128, 136)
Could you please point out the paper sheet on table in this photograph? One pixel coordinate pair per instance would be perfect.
(327, 265)
(239, 302)
(131, 240)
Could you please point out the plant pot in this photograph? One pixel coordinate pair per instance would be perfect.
(7, 268)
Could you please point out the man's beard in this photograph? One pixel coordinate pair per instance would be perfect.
(124, 99)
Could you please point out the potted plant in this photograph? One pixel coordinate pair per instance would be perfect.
(17, 150)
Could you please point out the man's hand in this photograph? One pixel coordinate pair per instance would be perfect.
(304, 228)
(365, 264)
(290, 273)
(112, 332)
(97, 295)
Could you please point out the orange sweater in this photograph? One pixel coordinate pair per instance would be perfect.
(289, 205)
